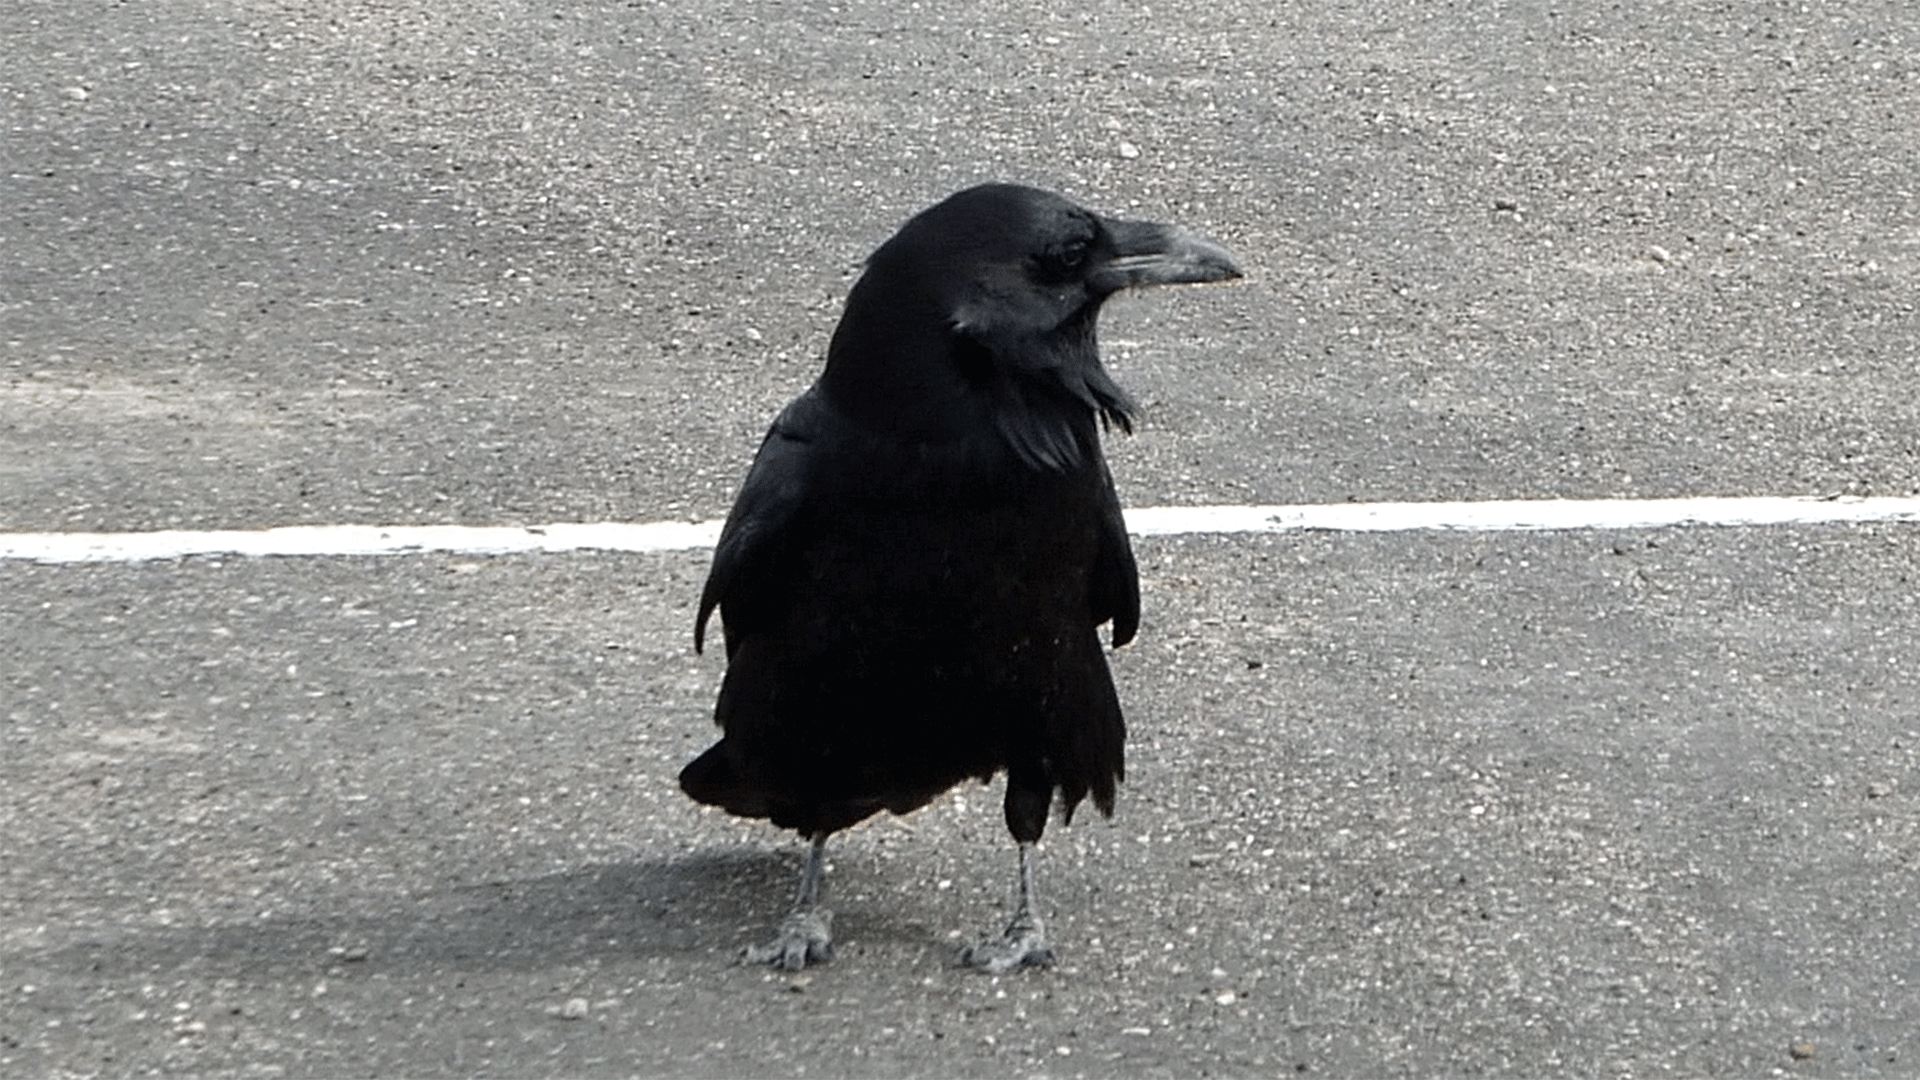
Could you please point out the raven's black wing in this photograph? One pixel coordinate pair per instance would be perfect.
(754, 560)
(1115, 587)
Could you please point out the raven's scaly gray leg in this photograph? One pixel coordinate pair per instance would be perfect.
(1024, 944)
(806, 934)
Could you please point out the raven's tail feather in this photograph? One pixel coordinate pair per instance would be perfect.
(711, 779)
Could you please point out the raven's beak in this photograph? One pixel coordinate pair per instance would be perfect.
(1153, 254)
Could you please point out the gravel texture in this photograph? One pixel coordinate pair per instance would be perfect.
(1595, 804)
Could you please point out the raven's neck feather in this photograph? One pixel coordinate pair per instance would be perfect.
(900, 369)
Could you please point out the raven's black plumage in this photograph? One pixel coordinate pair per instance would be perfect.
(911, 579)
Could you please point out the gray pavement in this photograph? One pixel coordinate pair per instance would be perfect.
(1580, 803)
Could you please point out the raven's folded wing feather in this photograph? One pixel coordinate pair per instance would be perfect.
(1116, 578)
(752, 560)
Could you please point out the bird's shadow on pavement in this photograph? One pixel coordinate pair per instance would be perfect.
(685, 906)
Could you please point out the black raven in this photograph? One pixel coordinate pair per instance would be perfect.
(911, 579)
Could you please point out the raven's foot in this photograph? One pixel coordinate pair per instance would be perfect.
(1023, 945)
(805, 937)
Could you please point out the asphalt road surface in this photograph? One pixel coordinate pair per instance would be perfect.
(1599, 803)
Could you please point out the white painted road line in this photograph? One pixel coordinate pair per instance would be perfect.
(359, 540)
(1520, 515)
(1516, 515)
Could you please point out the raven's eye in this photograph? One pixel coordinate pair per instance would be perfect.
(1066, 260)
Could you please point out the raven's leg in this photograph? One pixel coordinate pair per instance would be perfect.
(806, 934)
(1024, 943)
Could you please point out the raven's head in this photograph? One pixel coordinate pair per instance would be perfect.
(992, 295)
